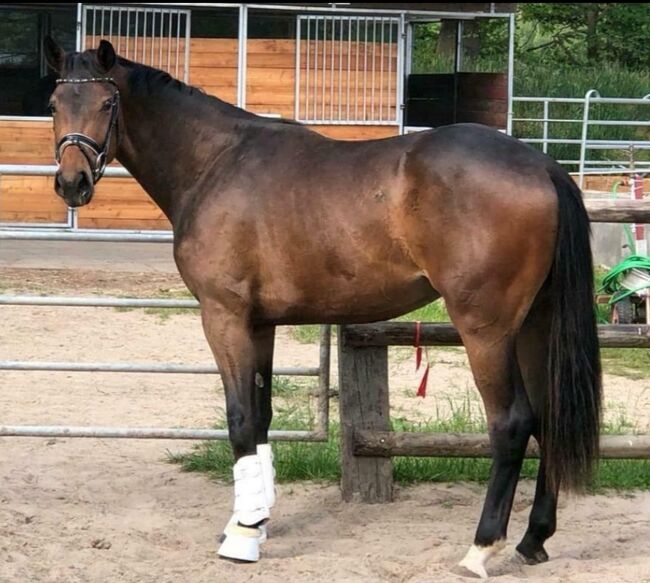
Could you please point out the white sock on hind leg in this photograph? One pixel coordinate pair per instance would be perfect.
(477, 558)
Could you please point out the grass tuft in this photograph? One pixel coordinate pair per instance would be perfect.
(309, 334)
(320, 461)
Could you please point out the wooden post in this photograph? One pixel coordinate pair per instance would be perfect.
(363, 404)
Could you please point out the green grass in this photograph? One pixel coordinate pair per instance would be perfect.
(632, 363)
(309, 334)
(320, 461)
(433, 312)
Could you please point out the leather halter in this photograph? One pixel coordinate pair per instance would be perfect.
(86, 143)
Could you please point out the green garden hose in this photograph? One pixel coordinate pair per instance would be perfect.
(612, 281)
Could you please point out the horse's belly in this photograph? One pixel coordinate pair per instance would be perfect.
(370, 296)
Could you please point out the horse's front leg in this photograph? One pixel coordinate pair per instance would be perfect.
(244, 356)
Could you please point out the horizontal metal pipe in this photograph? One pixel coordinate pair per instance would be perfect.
(620, 100)
(426, 14)
(590, 144)
(35, 235)
(33, 225)
(549, 120)
(143, 433)
(25, 118)
(97, 302)
(50, 170)
(132, 367)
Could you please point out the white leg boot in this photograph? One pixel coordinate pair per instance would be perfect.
(242, 540)
(265, 454)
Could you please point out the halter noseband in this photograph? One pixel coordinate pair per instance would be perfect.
(84, 142)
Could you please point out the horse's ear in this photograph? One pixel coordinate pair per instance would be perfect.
(54, 54)
(106, 55)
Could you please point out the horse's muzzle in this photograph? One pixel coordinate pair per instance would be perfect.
(75, 189)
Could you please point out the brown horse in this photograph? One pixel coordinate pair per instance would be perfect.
(275, 224)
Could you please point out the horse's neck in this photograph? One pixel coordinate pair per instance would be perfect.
(163, 150)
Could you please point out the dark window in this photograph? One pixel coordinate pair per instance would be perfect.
(25, 80)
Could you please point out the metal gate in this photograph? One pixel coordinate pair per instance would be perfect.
(348, 70)
(158, 37)
(318, 432)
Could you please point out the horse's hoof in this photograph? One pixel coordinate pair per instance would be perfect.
(263, 532)
(241, 543)
(471, 570)
(532, 557)
(463, 571)
(477, 557)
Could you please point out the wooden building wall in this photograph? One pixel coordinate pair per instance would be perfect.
(121, 203)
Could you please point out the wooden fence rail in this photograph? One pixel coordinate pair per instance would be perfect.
(367, 444)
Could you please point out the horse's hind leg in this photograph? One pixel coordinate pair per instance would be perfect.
(244, 357)
(491, 351)
(532, 353)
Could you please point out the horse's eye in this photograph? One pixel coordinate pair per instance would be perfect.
(51, 108)
(106, 106)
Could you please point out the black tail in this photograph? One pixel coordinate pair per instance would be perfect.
(571, 428)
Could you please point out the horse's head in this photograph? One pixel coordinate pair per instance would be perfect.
(86, 107)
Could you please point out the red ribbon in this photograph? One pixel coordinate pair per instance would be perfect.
(422, 388)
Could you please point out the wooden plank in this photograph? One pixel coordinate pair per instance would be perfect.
(356, 132)
(30, 199)
(403, 443)
(263, 77)
(116, 223)
(213, 45)
(284, 111)
(618, 211)
(26, 142)
(403, 334)
(363, 398)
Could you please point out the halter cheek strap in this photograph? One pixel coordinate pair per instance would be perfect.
(86, 143)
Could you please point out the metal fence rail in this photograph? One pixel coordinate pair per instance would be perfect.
(318, 433)
(133, 367)
(96, 302)
(141, 433)
(583, 124)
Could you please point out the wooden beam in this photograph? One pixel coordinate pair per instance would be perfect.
(476, 445)
(618, 211)
(363, 403)
(403, 334)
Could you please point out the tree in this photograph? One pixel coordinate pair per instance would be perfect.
(589, 33)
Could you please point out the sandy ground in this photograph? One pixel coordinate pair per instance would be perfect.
(103, 511)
